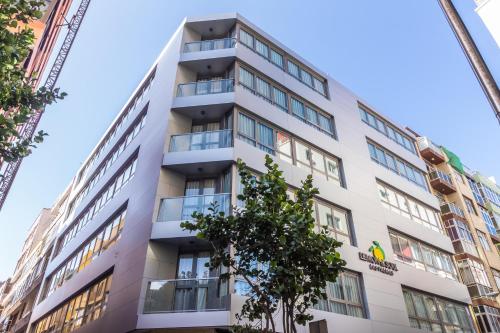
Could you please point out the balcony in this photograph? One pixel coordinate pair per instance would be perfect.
(442, 182)
(201, 141)
(182, 208)
(430, 151)
(205, 87)
(450, 211)
(210, 45)
(186, 295)
(477, 290)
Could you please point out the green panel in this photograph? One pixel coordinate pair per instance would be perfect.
(454, 160)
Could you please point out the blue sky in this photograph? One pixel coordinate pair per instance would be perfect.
(400, 56)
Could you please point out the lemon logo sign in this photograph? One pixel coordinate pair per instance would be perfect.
(376, 261)
(377, 251)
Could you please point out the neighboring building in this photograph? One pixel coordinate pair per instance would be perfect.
(18, 297)
(489, 11)
(490, 193)
(223, 89)
(470, 227)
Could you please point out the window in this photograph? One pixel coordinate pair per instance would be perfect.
(387, 129)
(289, 149)
(475, 191)
(261, 48)
(277, 59)
(470, 206)
(432, 313)
(408, 207)
(483, 240)
(472, 272)
(306, 77)
(396, 165)
(108, 192)
(246, 129)
(422, 256)
(344, 296)
(91, 249)
(246, 38)
(335, 219)
(81, 309)
(246, 78)
(488, 318)
(274, 95)
(488, 221)
(293, 69)
(279, 98)
(461, 236)
(496, 276)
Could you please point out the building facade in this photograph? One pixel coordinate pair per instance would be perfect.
(223, 89)
(468, 217)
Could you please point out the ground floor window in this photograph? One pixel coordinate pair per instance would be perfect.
(435, 314)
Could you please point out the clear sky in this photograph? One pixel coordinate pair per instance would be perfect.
(400, 56)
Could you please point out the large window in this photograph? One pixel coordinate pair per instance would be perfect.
(276, 95)
(289, 149)
(87, 306)
(473, 272)
(335, 219)
(422, 256)
(344, 296)
(109, 191)
(488, 221)
(397, 165)
(276, 57)
(408, 207)
(461, 236)
(475, 191)
(435, 314)
(483, 240)
(488, 318)
(91, 249)
(387, 129)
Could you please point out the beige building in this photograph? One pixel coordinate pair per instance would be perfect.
(471, 229)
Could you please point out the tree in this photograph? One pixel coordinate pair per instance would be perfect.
(273, 244)
(18, 98)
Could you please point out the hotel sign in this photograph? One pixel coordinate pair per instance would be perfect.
(377, 260)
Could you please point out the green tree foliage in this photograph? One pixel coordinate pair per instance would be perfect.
(18, 99)
(274, 245)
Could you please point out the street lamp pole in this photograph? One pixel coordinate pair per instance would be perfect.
(481, 70)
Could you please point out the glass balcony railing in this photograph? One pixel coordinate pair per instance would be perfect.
(450, 207)
(205, 87)
(209, 45)
(182, 208)
(201, 141)
(437, 174)
(186, 295)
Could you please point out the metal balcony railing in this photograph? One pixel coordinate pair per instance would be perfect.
(186, 295)
(201, 141)
(209, 45)
(450, 207)
(437, 174)
(205, 87)
(182, 208)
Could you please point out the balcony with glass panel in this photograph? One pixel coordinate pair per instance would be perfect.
(216, 86)
(209, 45)
(430, 151)
(182, 208)
(451, 211)
(201, 141)
(441, 182)
(186, 295)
